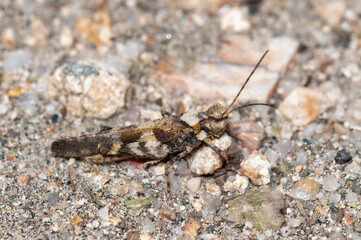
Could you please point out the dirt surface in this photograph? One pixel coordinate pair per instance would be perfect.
(69, 67)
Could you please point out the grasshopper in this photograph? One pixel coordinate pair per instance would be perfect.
(169, 138)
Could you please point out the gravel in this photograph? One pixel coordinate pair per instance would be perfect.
(154, 56)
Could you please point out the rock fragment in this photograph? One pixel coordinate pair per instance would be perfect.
(305, 189)
(330, 184)
(235, 20)
(331, 11)
(343, 156)
(241, 50)
(249, 133)
(302, 106)
(205, 160)
(95, 29)
(89, 89)
(261, 207)
(257, 168)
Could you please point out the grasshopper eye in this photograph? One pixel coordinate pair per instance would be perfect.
(216, 111)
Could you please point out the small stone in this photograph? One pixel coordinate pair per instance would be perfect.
(16, 60)
(89, 89)
(191, 228)
(23, 179)
(205, 160)
(197, 204)
(305, 189)
(235, 20)
(211, 6)
(8, 37)
(302, 106)
(135, 188)
(193, 184)
(129, 50)
(39, 33)
(145, 237)
(299, 168)
(52, 198)
(95, 29)
(250, 134)
(148, 226)
(240, 49)
(221, 81)
(103, 213)
(76, 220)
(159, 169)
(175, 184)
(335, 198)
(211, 205)
(351, 196)
(261, 207)
(214, 189)
(66, 38)
(168, 214)
(3, 109)
(348, 219)
(330, 184)
(284, 169)
(331, 11)
(236, 183)
(343, 156)
(257, 168)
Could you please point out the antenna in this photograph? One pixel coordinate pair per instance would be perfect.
(244, 84)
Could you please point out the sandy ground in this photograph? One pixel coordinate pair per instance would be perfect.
(69, 67)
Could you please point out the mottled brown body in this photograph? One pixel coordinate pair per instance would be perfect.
(168, 138)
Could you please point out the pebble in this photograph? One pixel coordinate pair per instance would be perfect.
(305, 189)
(351, 196)
(8, 37)
(66, 38)
(4, 104)
(214, 189)
(210, 6)
(95, 29)
(23, 179)
(261, 207)
(240, 49)
(257, 168)
(136, 206)
(197, 204)
(331, 11)
(236, 183)
(205, 160)
(343, 156)
(129, 50)
(38, 34)
(335, 198)
(148, 225)
(193, 184)
(330, 184)
(52, 198)
(175, 184)
(221, 81)
(234, 19)
(159, 169)
(211, 205)
(16, 60)
(89, 89)
(250, 134)
(301, 106)
(191, 228)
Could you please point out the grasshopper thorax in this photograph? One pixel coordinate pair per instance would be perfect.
(216, 119)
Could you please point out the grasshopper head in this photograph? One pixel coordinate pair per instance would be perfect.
(216, 119)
